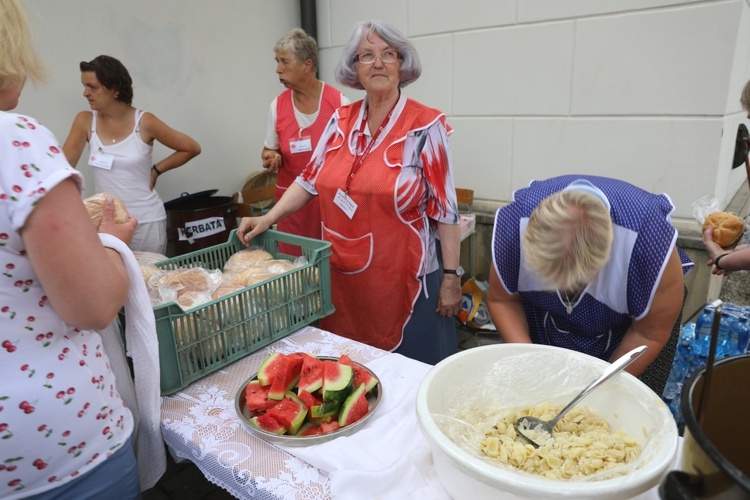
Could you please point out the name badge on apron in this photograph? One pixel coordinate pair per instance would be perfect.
(301, 145)
(345, 203)
(100, 159)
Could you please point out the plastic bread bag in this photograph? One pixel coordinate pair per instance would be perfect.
(279, 266)
(191, 300)
(94, 206)
(703, 206)
(238, 277)
(148, 258)
(244, 258)
(184, 280)
(707, 205)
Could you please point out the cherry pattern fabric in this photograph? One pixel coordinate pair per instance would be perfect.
(60, 414)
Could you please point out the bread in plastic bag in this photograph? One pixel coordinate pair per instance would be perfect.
(94, 206)
(246, 258)
(706, 205)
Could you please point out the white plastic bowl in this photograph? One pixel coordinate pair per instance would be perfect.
(523, 375)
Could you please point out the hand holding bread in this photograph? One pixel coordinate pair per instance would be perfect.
(727, 228)
(123, 228)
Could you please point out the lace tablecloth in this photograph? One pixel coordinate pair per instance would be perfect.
(200, 423)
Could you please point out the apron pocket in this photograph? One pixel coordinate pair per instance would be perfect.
(349, 256)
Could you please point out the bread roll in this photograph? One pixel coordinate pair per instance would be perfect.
(239, 277)
(727, 227)
(225, 289)
(279, 266)
(193, 279)
(192, 299)
(147, 272)
(246, 258)
(94, 206)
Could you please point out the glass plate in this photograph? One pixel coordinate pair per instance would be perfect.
(373, 398)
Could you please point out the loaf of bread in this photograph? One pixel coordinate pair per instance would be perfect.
(728, 228)
(246, 258)
(94, 206)
(279, 266)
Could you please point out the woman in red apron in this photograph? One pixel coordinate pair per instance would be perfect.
(295, 121)
(382, 173)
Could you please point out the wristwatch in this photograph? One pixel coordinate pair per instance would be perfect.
(459, 271)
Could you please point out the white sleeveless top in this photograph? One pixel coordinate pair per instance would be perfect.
(130, 176)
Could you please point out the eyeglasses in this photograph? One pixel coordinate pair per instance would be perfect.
(388, 56)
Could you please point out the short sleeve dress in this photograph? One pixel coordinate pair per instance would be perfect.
(60, 414)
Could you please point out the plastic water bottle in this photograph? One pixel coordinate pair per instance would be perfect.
(740, 335)
(703, 332)
(681, 365)
(724, 341)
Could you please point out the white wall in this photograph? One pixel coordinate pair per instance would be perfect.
(206, 68)
(643, 90)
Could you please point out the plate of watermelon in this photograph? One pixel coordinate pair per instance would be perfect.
(299, 400)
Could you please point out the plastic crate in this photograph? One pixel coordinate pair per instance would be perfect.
(212, 336)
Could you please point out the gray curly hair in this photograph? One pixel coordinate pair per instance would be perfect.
(411, 68)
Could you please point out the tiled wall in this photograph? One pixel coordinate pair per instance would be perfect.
(642, 90)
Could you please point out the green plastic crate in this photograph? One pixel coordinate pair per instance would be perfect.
(212, 336)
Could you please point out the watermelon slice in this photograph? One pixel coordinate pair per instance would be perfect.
(311, 377)
(289, 412)
(324, 412)
(272, 365)
(309, 429)
(337, 381)
(326, 427)
(256, 397)
(268, 423)
(355, 407)
(286, 371)
(309, 399)
(361, 376)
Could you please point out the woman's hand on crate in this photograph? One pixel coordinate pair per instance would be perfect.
(250, 227)
(294, 198)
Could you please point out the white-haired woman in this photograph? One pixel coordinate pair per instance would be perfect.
(296, 120)
(383, 175)
(590, 264)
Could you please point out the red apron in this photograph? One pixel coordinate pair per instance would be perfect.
(306, 221)
(377, 255)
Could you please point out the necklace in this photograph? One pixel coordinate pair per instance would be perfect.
(570, 299)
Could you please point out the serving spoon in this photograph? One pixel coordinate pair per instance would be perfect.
(543, 428)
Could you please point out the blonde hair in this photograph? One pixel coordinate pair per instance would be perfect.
(18, 58)
(568, 239)
(745, 97)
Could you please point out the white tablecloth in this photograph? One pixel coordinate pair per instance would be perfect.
(200, 423)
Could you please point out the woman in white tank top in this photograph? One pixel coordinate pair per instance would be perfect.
(120, 139)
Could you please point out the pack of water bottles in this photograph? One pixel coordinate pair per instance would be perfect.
(693, 346)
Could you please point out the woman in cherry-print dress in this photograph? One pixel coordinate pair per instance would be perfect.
(64, 431)
(382, 172)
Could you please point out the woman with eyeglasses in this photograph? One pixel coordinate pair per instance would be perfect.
(296, 121)
(121, 140)
(383, 175)
(590, 264)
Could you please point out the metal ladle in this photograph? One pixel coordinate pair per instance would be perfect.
(544, 428)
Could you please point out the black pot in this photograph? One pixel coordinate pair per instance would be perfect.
(200, 220)
(715, 454)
